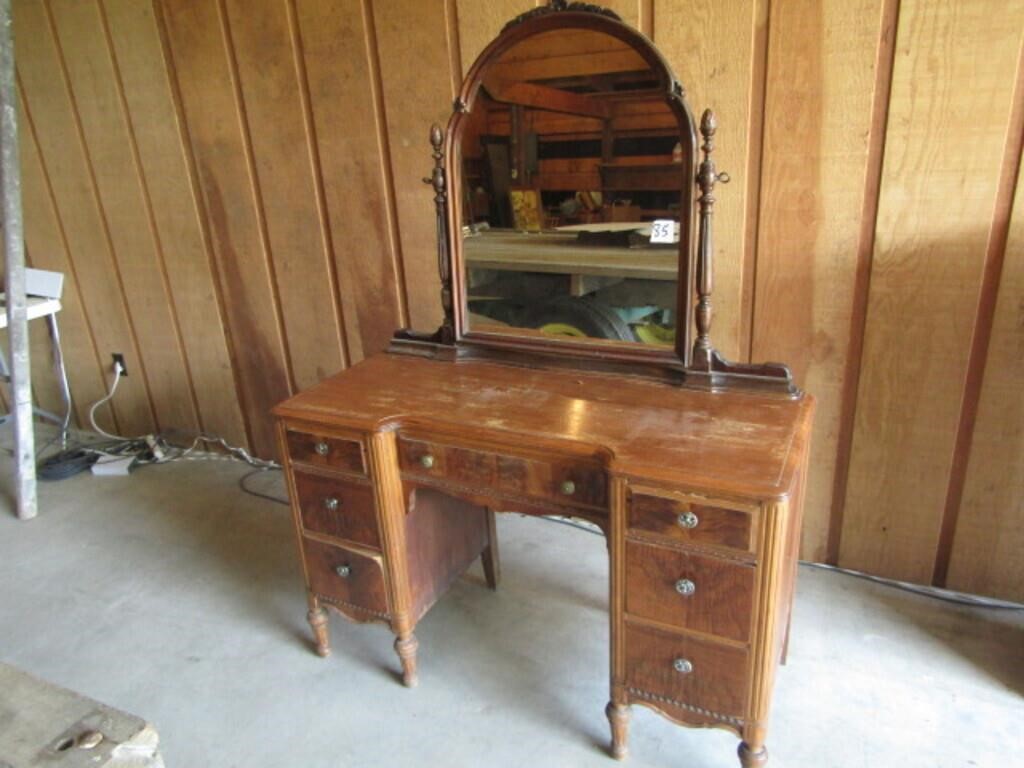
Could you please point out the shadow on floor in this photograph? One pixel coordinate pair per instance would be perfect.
(980, 637)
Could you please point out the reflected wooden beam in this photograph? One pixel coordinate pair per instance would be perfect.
(543, 97)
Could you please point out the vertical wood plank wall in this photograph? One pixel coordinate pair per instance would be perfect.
(233, 190)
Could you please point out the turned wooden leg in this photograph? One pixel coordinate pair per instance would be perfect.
(618, 717)
(489, 557)
(752, 758)
(405, 647)
(317, 618)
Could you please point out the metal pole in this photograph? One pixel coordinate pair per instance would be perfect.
(14, 243)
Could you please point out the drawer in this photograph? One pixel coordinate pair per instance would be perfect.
(688, 522)
(326, 452)
(337, 508)
(577, 483)
(699, 592)
(685, 671)
(348, 578)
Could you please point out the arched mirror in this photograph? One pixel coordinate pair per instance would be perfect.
(575, 171)
(567, 188)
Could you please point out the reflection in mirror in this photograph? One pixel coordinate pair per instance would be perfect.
(569, 157)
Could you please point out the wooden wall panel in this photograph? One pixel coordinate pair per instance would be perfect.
(204, 67)
(817, 128)
(630, 11)
(177, 217)
(125, 203)
(989, 536)
(52, 112)
(415, 56)
(479, 23)
(275, 96)
(952, 91)
(344, 90)
(233, 190)
(711, 45)
(48, 250)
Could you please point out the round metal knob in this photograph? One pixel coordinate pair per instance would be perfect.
(427, 461)
(568, 487)
(687, 520)
(344, 571)
(322, 448)
(685, 587)
(331, 504)
(682, 666)
(89, 740)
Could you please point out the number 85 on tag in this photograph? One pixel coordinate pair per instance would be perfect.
(664, 231)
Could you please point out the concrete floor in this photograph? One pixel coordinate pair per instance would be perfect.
(172, 595)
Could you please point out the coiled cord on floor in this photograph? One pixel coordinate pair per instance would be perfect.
(66, 464)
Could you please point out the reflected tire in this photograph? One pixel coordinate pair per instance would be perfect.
(587, 317)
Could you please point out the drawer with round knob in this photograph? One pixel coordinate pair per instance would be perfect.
(349, 579)
(699, 680)
(578, 483)
(687, 521)
(326, 452)
(707, 594)
(333, 507)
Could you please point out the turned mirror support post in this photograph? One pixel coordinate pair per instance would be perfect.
(405, 339)
(438, 181)
(707, 176)
(707, 367)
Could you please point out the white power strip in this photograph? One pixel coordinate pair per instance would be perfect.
(113, 466)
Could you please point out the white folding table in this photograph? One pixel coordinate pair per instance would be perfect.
(38, 307)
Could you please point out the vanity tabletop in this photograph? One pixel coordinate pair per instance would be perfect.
(747, 444)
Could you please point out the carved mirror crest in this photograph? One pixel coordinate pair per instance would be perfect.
(573, 212)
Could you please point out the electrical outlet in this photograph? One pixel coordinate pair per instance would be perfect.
(119, 358)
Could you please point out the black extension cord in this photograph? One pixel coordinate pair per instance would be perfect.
(66, 464)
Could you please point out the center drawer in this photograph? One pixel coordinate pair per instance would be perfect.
(337, 508)
(703, 593)
(579, 483)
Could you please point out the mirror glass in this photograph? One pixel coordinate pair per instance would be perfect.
(570, 159)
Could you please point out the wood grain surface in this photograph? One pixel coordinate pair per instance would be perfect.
(71, 179)
(748, 445)
(338, 508)
(206, 73)
(989, 536)
(710, 45)
(181, 231)
(721, 604)
(817, 127)
(926, 275)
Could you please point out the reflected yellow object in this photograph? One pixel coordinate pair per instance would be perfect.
(649, 333)
(561, 329)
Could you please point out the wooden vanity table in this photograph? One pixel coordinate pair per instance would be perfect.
(692, 466)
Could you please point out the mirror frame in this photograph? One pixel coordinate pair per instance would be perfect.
(535, 22)
(693, 360)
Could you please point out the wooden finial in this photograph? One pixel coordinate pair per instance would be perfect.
(708, 124)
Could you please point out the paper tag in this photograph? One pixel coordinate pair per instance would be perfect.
(664, 231)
